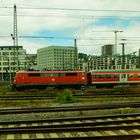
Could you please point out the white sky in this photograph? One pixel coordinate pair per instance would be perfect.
(93, 27)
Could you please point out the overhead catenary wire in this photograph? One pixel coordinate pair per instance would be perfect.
(72, 38)
(76, 15)
(72, 9)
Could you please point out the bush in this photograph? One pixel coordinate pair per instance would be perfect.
(66, 97)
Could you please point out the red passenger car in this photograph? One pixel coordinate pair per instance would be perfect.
(110, 78)
(44, 79)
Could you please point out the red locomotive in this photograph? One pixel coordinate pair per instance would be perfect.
(76, 79)
(44, 79)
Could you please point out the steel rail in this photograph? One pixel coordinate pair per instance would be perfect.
(73, 124)
(134, 115)
(114, 137)
(67, 129)
(78, 96)
(104, 125)
(72, 119)
(70, 108)
(86, 95)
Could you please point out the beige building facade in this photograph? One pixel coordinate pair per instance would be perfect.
(57, 58)
(12, 59)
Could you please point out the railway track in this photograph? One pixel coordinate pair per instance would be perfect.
(102, 127)
(88, 95)
(70, 108)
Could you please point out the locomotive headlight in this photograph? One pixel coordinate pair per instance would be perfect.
(83, 78)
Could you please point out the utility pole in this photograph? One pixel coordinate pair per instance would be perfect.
(15, 40)
(75, 54)
(123, 56)
(15, 27)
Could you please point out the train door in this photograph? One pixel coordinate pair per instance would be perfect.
(123, 78)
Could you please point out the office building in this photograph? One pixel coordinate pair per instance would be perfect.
(57, 58)
(12, 59)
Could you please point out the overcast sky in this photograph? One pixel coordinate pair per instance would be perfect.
(92, 22)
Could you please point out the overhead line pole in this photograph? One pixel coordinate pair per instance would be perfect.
(75, 54)
(15, 40)
(123, 56)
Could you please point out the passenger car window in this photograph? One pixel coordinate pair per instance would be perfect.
(116, 76)
(100, 76)
(94, 76)
(131, 75)
(138, 75)
(108, 76)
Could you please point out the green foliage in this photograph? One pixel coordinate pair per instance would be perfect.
(126, 110)
(66, 97)
(83, 56)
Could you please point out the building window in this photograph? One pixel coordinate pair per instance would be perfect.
(6, 48)
(12, 53)
(5, 53)
(5, 63)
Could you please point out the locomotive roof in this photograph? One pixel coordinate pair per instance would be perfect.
(118, 70)
(49, 71)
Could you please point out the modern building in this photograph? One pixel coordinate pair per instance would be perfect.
(108, 50)
(100, 62)
(128, 61)
(12, 59)
(57, 58)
